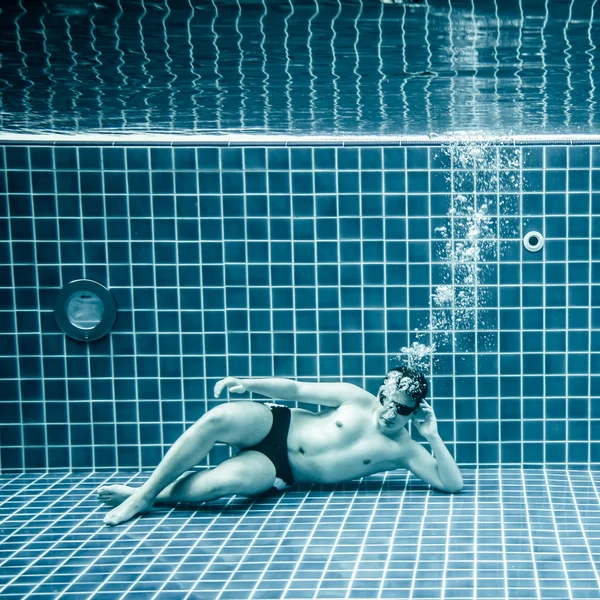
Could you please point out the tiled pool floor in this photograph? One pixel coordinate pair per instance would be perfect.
(509, 534)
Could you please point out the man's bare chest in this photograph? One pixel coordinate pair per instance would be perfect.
(347, 432)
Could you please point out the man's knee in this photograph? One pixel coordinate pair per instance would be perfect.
(218, 419)
(240, 424)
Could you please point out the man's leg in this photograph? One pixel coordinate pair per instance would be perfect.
(240, 424)
(247, 473)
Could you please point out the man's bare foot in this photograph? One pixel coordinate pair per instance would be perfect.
(114, 494)
(129, 508)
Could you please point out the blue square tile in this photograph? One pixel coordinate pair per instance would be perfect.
(556, 157)
(256, 182)
(114, 183)
(347, 158)
(302, 158)
(137, 158)
(279, 183)
(417, 158)
(209, 182)
(208, 159)
(371, 182)
(302, 183)
(278, 158)
(348, 182)
(371, 205)
(533, 180)
(254, 158)
(231, 158)
(324, 158)
(17, 157)
(137, 183)
(439, 183)
(439, 158)
(578, 180)
(325, 182)
(161, 158)
(579, 157)
(533, 158)
(113, 159)
(186, 183)
(370, 158)
(66, 158)
(233, 206)
(17, 184)
(185, 158)
(162, 183)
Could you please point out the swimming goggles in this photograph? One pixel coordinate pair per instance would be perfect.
(401, 409)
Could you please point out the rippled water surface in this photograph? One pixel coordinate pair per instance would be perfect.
(300, 66)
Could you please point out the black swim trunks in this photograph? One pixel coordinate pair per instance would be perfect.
(274, 445)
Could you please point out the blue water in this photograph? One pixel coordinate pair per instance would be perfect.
(300, 66)
(316, 262)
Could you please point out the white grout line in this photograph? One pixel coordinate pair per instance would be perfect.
(414, 591)
(282, 537)
(48, 551)
(298, 561)
(127, 529)
(168, 543)
(395, 529)
(530, 535)
(246, 551)
(195, 545)
(502, 532)
(581, 524)
(338, 536)
(22, 506)
(368, 527)
(555, 530)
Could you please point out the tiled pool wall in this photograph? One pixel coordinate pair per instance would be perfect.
(316, 263)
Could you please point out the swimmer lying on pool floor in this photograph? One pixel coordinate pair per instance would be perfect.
(361, 435)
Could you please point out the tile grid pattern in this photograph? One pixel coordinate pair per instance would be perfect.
(518, 533)
(309, 262)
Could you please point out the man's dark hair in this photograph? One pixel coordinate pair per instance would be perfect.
(418, 389)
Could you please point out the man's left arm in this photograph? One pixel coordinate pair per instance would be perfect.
(442, 472)
(446, 466)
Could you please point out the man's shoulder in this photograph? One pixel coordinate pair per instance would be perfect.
(354, 394)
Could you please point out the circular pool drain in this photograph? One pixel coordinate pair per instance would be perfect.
(533, 241)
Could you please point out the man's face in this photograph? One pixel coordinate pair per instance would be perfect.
(395, 412)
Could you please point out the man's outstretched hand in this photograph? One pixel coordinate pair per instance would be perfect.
(233, 383)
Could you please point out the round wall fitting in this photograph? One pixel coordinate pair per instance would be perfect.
(533, 241)
(85, 310)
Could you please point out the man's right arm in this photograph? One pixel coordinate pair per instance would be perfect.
(324, 394)
(274, 387)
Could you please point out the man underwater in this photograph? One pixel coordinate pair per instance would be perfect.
(362, 434)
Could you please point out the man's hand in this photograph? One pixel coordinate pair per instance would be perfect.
(428, 426)
(233, 383)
